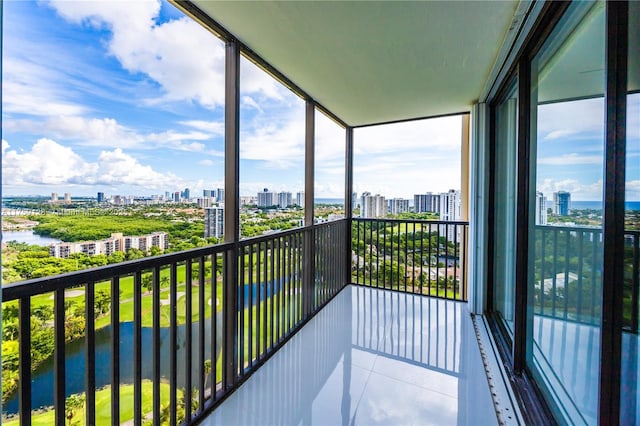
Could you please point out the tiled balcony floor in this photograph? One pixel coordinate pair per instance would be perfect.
(371, 357)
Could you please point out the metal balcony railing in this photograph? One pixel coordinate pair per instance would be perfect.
(567, 274)
(182, 330)
(413, 256)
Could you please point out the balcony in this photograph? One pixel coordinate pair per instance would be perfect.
(147, 323)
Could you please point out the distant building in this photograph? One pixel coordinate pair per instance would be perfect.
(220, 195)
(209, 193)
(354, 200)
(248, 200)
(541, 209)
(176, 197)
(214, 222)
(398, 205)
(117, 242)
(67, 197)
(266, 198)
(186, 194)
(101, 197)
(449, 208)
(205, 202)
(300, 199)
(561, 203)
(373, 206)
(284, 199)
(54, 197)
(426, 203)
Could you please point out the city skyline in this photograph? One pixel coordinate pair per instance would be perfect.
(120, 98)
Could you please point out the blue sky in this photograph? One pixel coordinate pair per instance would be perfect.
(128, 98)
(123, 98)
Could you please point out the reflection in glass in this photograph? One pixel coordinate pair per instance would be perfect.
(505, 206)
(630, 404)
(565, 254)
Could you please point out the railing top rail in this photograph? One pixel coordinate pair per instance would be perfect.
(568, 228)
(435, 222)
(48, 284)
(277, 234)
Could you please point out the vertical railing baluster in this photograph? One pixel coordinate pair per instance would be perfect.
(90, 354)
(555, 274)
(594, 281)
(272, 297)
(173, 344)
(115, 350)
(384, 253)
(201, 334)
(543, 247)
(580, 237)
(24, 345)
(429, 262)
(635, 282)
(567, 255)
(189, 341)
(252, 288)
(137, 348)
(59, 357)
(214, 324)
(267, 298)
(406, 251)
(464, 263)
(438, 261)
(259, 301)
(242, 289)
(155, 302)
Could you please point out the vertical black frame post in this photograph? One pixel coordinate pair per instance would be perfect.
(613, 221)
(309, 189)
(522, 220)
(348, 200)
(231, 210)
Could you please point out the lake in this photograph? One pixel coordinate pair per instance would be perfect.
(42, 383)
(27, 237)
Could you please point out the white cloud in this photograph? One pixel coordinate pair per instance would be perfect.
(280, 147)
(183, 57)
(579, 191)
(211, 127)
(206, 162)
(50, 163)
(571, 159)
(107, 132)
(632, 190)
(576, 119)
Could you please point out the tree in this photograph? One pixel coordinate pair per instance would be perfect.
(10, 329)
(102, 302)
(147, 282)
(72, 404)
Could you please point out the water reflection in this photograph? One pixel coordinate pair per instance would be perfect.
(371, 356)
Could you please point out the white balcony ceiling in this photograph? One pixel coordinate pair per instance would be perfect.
(371, 62)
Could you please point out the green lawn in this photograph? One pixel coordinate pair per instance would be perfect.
(103, 406)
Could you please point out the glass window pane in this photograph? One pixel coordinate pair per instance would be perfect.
(630, 405)
(329, 169)
(272, 129)
(505, 207)
(565, 261)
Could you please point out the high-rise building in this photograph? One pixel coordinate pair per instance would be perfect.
(354, 201)
(428, 202)
(300, 199)
(284, 199)
(449, 208)
(266, 198)
(219, 194)
(398, 205)
(541, 209)
(101, 197)
(186, 194)
(373, 205)
(176, 197)
(561, 203)
(54, 197)
(67, 197)
(209, 193)
(214, 222)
